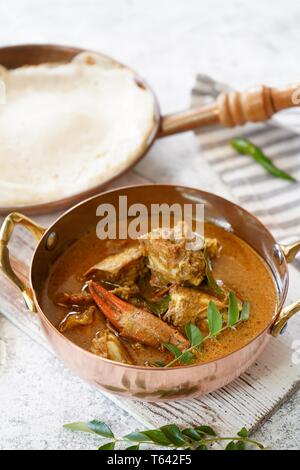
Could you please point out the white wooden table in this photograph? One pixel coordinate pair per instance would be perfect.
(169, 42)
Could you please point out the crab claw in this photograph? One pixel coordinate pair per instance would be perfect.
(135, 323)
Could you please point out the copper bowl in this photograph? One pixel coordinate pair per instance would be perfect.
(137, 382)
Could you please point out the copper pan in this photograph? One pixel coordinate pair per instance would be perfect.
(140, 382)
(230, 109)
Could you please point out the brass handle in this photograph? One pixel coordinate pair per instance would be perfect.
(290, 252)
(233, 109)
(6, 232)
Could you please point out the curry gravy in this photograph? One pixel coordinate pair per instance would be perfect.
(238, 266)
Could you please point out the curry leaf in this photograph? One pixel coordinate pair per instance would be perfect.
(157, 436)
(212, 283)
(192, 434)
(108, 446)
(194, 334)
(206, 430)
(245, 313)
(160, 307)
(173, 349)
(243, 433)
(82, 427)
(193, 438)
(233, 310)
(214, 317)
(187, 357)
(137, 437)
(240, 445)
(231, 446)
(174, 434)
(159, 364)
(100, 428)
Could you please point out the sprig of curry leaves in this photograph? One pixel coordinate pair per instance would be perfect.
(168, 436)
(215, 323)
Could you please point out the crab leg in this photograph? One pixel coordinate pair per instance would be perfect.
(135, 323)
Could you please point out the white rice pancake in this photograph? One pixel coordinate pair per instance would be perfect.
(66, 128)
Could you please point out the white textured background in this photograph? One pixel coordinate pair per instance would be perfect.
(167, 41)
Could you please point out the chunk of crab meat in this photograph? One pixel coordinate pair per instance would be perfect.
(106, 344)
(172, 258)
(122, 268)
(65, 299)
(135, 323)
(212, 246)
(188, 305)
(75, 319)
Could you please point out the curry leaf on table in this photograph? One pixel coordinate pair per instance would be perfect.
(108, 446)
(192, 434)
(174, 434)
(98, 427)
(239, 445)
(137, 437)
(243, 433)
(233, 310)
(79, 426)
(207, 430)
(215, 320)
(157, 436)
(231, 446)
(192, 438)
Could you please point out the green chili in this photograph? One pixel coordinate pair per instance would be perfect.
(245, 147)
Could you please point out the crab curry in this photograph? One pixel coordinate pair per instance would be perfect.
(155, 302)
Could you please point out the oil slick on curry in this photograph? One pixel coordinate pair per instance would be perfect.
(147, 302)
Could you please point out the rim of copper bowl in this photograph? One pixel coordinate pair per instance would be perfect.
(160, 369)
(66, 202)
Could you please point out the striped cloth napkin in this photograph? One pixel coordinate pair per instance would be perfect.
(276, 202)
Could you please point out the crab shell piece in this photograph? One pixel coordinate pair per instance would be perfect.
(75, 319)
(107, 345)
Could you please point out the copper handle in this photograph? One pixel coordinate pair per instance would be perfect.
(290, 252)
(6, 232)
(233, 109)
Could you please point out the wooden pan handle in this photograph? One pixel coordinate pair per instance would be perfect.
(234, 109)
